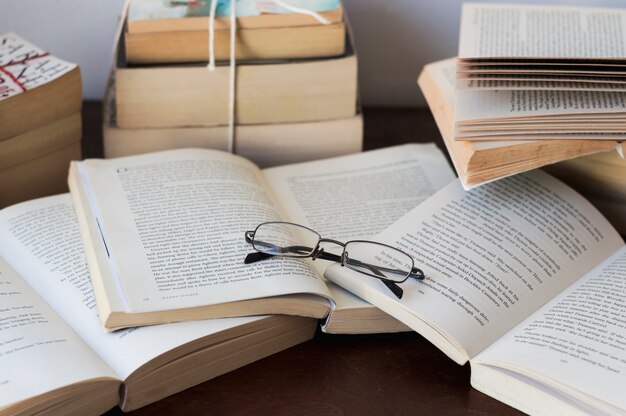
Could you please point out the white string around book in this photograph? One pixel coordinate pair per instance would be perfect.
(232, 62)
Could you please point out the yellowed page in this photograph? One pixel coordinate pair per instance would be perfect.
(490, 105)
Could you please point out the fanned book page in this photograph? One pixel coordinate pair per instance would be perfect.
(536, 47)
(518, 31)
(478, 162)
(529, 72)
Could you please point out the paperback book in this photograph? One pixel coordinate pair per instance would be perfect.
(478, 162)
(164, 232)
(49, 323)
(545, 72)
(160, 31)
(525, 280)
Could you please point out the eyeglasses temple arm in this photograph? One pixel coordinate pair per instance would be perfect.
(258, 256)
(397, 290)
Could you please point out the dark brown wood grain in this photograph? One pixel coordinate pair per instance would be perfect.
(390, 374)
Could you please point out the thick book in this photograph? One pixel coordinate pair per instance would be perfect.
(34, 164)
(164, 232)
(267, 92)
(168, 32)
(264, 144)
(525, 280)
(36, 88)
(480, 162)
(55, 357)
(540, 71)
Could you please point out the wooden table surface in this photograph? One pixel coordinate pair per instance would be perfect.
(387, 374)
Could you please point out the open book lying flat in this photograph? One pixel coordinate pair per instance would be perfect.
(527, 281)
(56, 359)
(164, 232)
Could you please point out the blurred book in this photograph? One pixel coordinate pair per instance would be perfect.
(541, 72)
(266, 93)
(177, 31)
(36, 88)
(40, 122)
(35, 163)
(480, 162)
(264, 144)
(601, 178)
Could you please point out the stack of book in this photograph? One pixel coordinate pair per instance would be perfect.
(40, 121)
(533, 86)
(296, 82)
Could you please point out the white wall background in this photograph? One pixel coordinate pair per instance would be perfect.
(394, 38)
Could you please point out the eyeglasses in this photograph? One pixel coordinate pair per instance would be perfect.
(390, 265)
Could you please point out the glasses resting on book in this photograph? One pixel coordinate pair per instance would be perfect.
(390, 265)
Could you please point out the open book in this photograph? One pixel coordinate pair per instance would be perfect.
(164, 232)
(56, 359)
(549, 72)
(525, 279)
(483, 161)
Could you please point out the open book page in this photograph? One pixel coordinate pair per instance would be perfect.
(42, 240)
(491, 255)
(443, 74)
(357, 196)
(523, 83)
(173, 224)
(533, 31)
(38, 351)
(486, 104)
(576, 340)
